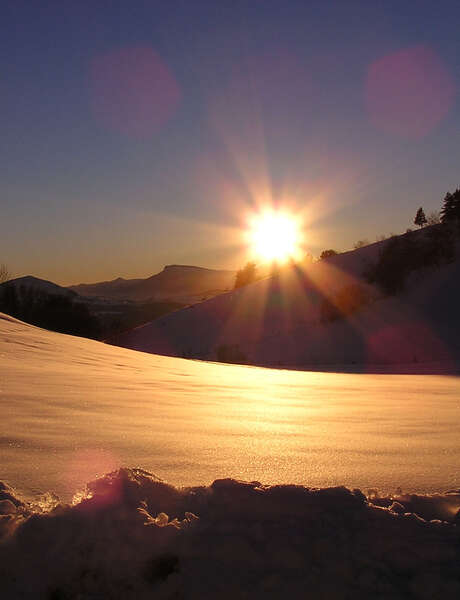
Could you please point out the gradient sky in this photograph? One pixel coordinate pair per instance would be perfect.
(138, 134)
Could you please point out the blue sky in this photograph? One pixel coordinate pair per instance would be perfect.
(237, 103)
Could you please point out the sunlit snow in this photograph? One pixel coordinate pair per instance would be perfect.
(74, 408)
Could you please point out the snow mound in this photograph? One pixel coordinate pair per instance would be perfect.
(132, 535)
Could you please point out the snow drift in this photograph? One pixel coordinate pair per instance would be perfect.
(133, 536)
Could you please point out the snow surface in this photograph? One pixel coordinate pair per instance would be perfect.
(74, 408)
(134, 536)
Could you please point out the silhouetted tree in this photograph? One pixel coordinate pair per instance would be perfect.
(9, 301)
(447, 207)
(394, 263)
(327, 254)
(450, 211)
(246, 275)
(438, 247)
(420, 218)
(57, 313)
(406, 253)
(361, 244)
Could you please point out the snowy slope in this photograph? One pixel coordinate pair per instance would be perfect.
(74, 408)
(278, 322)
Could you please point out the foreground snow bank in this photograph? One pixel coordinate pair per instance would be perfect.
(133, 536)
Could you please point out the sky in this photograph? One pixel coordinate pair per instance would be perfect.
(139, 134)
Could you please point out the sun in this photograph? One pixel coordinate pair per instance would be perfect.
(275, 236)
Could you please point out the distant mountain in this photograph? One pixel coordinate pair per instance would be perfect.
(179, 283)
(296, 318)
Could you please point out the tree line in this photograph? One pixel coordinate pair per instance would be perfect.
(49, 311)
(450, 211)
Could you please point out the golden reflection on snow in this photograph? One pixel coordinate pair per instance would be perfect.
(192, 422)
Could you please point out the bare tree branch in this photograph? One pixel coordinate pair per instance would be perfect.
(433, 218)
(4, 273)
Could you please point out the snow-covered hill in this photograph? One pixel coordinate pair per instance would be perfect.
(279, 321)
(181, 283)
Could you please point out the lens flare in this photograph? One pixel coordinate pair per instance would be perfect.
(133, 92)
(409, 92)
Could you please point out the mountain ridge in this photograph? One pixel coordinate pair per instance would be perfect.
(185, 283)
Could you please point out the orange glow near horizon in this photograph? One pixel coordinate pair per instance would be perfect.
(275, 236)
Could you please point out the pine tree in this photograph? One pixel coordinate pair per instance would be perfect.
(447, 208)
(456, 206)
(420, 218)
